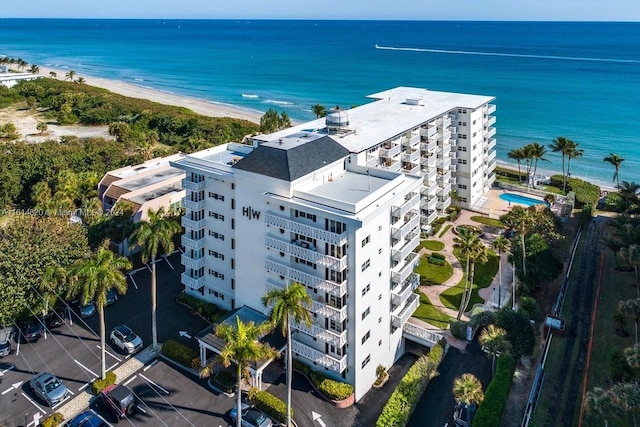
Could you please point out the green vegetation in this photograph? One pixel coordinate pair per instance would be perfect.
(225, 380)
(509, 175)
(429, 313)
(432, 245)
(53, 420)
(492, 222)
(208, 310)
(432, 274)
(447, 228)
(495, 397)
(484, 274)
(179, 353)
(99, 384)
(587, 194)
(398, 409)
(271, 405)
(331, 389)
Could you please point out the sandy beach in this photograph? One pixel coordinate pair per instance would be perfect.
(199, 106)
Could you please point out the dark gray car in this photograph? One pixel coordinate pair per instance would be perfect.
(49, 388)
(7, 336)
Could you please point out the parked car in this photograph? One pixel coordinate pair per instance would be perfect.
(463, 414)
(86, 419)
(251, 416)
(112, 296)
(86, 310)
(48, 388)
(125, 339)
(30, 330)
(7, 336)
(56, 318)
(118, 400)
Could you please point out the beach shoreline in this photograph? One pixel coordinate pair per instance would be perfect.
(200, 106)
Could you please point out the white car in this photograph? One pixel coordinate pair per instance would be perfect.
(125, 339)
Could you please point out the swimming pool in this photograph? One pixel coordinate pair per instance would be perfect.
(523, 200)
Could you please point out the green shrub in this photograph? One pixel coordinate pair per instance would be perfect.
(510, 173)
(587, 194)
(438, 255)
(179, 353)
(440, 220)
(208, 310)
(53, 420)
(271, 405)
(436, 352)
(398, 409)
(436, 261)
(447, 228)
(482, 319)
(225, 381)
(99, 384)
(302, 367)
(495, 398)
(334, 390)
(458, 329)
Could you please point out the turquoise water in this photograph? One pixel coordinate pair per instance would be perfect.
(579, 80)
(523, 200)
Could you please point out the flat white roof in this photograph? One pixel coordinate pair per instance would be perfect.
(146, 167)
(389, 115)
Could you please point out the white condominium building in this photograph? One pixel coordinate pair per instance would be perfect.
(337, 205)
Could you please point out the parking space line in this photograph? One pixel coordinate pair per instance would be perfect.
(150, 365)
(167, 259)
(34, 404)
(85, 368)
(109, 353)
(61, 402)
(6, 370)
(130, 379)
(151, 382)
(87, 384)
(130, 276)
(110, 368)
(142, 409)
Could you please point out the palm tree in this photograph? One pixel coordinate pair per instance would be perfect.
(631, 309)
(90, 279)
(80, 80)
(155, 237)
(521, 220)
(467, 389)
(600, 402)
(500, 245)
(615, 246)
(538, 152)
(616, 160)
(631, 254)
(518, 155)
(632, 355)
(626, 396)
(494, 340)
(466, 242)
(53, 281)
(574, 153)
(480, 253)
(53, 74)
(550, 199)
(292, 303)
(319, 110)
(528, 158)
(562, 145)
(70, 75)
(34, 69)
(241, 347)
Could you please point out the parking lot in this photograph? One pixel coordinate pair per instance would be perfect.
(72, 351)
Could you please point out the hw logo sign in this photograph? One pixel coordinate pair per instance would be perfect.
(250, 213)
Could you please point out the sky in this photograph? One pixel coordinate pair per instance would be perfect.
(489, 10)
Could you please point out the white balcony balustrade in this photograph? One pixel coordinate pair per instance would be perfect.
(319, 357)
(398, 320)
(192, 186)
(192, 282)
(314, 232)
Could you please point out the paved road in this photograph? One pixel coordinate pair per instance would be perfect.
(435, 408)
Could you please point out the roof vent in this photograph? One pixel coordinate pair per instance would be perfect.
(415, 101)
(337, 121)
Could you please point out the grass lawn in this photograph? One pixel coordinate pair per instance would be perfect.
(431, 274)
(432, 245)
(484, 274)
(429, 313)
(488, 221)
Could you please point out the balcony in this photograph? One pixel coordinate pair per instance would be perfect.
(391, 165)
(192, 186)
(411, 201)
(194, 283)
(443, 177)
(188, 262)
(192, 205)
(410, 243)
(453, 181)
(445, 189)
(372, 161)
(326, 335)
(453, 155)
(491, 108)
(389, 151)
(491, 144)
(411, 305)
(401, 272)
(453, 168)
(428, 217)
(194, 244)
(411, 221)
(401, 293)
(490, 157)
(490, 168)
(491, 121)
(306, 251)
(295, 275)
(411, 169)
(333, 313)
(423, 334)
(429, 161)
(443, 204)
(453, 130)
(429, 204)
(191, 224)
(319, 357)
(490, 132)
(411, 141)
(411, 157)
(314, 232)
(429, 147)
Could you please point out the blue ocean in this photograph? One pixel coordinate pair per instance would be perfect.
(575, 79)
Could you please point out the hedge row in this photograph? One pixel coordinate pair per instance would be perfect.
(208, 310)
(53, 420)
(271, 405)
(436, 261)
(181, 353)
(495, 398)
(99, 384)
(332, 389)
(587, 194)
(510, 173)
(404, 398)
(437, 255)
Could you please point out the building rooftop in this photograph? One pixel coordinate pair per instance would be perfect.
(148, 180)
(158, 192)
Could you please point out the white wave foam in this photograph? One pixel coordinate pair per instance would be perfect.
(138, 79)
(513, 55)
(273, 101)
(249, 95)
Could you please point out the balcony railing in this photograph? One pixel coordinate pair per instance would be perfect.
(326, 335)
(319, 357)
(411, 157)
(410, 202)
(189, 243)
(192, 282)
(429, 161)
(490, 157)
(411, 221)
(295, 227)
(407, 310)
(191, 224)
(429, 147)
(391, 165)
(411, 169)
(399, 275)
(491, 144)
(401, 292)
(429, 217)
(193, 206)
(372, 161)
(491, 108)
(392, 151)
(444, 190)
(306, 251)
(333, 313)
(422, 333)
(188, 262)
(444, 204)
(491, 121)
(192, 186)
(429, 204)
(410, 243)
(490, 132)
(335, 289)
(446, 121)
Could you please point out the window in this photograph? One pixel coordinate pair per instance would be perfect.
(233, 243)
(216, 215)
(366, 361)
(233, 203)
(216, 254)
(303, 214)
(366, 337)
(366, 240)
(380, 297)
(366, 264)
(379, 228)
(379, 319)
(462, 148)
(366, 289)
(462, 186)
(380, 274)
(233, 264)
(216, 196)
(462, 161)
(216, 274)
(366, 313)
(233, 186)
(462, 136)
(305, 262)
(216, 294)
(233, 283)
(216, 235)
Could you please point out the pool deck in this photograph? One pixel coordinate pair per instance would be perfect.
(497, 206)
